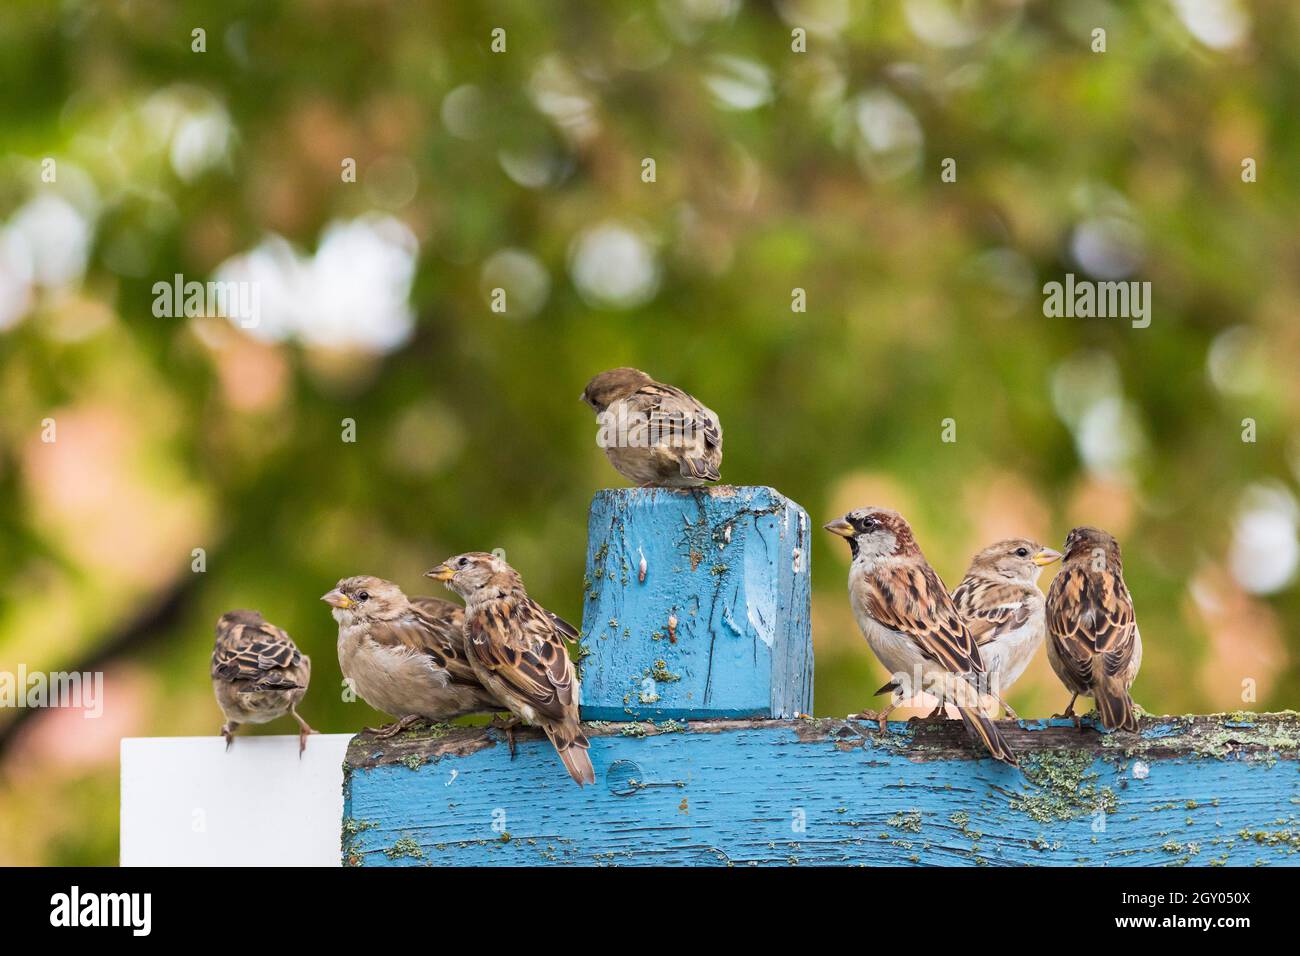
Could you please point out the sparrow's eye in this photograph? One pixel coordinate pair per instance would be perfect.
(1022, 552)
(363, 596)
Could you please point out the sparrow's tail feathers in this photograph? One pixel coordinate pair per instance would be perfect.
(887, 689)
(571, 744)
(985, 731)
(1116, 708)
(700, 468)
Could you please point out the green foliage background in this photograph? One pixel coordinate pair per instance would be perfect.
(924, 303)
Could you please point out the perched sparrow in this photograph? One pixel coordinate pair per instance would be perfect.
(654, 434)
(258, 674)
(518, 651)
(911, 622)
(405, 657)
(1002, 606)
(1092, 633)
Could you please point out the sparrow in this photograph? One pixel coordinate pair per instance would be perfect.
(258, 674)
(405, 656)
(911, 622)
(1092, 634)
(654, 434)
(517, 649)
(1001, 603)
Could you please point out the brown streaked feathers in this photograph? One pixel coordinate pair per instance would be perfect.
(258, 673)
(517, 649)
(1093, 640)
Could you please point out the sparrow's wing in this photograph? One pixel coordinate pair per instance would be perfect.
(991, 610)
(911, 599)
(518, 641)
(1090, 614)
(254, 651)
(439, 635)
(674, 411)
(438, 608)
(564, 627)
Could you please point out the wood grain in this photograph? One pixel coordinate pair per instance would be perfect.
(696, 604)
(1216, 790)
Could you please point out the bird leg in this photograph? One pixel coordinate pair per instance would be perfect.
(507, 726)
(881, 717)
(303, 730)
(228, 731)
(940, 710)
(1069, 712)
(1007, 707)
(395, 728)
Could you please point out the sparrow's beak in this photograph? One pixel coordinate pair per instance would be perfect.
(440, 573)
(337, 598)
(841, 527)
(1046, 556)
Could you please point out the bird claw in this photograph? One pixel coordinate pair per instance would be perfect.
(1073, 718)
(881, 718)
(396, 727)
(302, 739)
(507, 726)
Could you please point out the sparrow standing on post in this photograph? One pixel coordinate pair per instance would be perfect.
(517, 649)
(654, 434)
(258, 674)
(1004, 609)
(1092, 634)
(405, 657)
(911, 622)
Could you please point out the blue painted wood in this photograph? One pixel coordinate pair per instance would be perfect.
(1186, 791)
(696, 604)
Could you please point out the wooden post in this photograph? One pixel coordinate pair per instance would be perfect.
(696, 604)
(696, 610)
(707, 775)
(1198, 791)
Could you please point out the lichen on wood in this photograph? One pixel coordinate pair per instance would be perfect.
(1184, 791)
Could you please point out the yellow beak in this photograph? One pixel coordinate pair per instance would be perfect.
(440, 573)
(337, 598)
(841, 527)
(1046, 556)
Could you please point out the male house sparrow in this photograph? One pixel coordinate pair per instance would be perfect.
(1092, 634)
(654, 434)
(911, 622)
(405, 657)
(1001, 603)
(258, 674)
(517, 649)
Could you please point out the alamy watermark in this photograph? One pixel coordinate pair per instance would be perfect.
(55, 689)
(1085, 299)
(235, 300)
(74, 908)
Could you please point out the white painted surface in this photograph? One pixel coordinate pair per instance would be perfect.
(186, 801)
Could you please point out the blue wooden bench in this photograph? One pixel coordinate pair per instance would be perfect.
(697, 681)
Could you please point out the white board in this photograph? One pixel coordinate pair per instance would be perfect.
(186, 801)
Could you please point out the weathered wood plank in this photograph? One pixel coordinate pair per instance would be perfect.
(1219, 790)
(696, 605)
